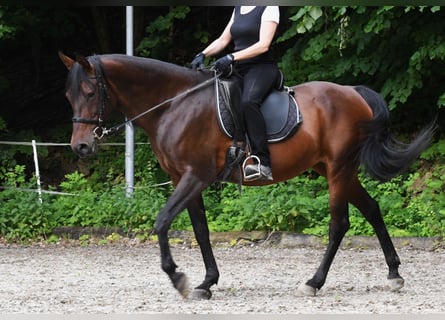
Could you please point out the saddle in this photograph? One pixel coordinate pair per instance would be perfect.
(280, 111)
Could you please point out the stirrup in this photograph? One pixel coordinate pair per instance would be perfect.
(256, 175)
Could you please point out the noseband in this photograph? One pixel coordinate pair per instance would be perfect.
(99, 131)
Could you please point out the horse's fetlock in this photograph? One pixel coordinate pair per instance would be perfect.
(211, 280)
(169, 267)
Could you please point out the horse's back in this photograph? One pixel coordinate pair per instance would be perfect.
(333, 97)
(331, 107)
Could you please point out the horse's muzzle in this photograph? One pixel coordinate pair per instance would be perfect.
(84, 149)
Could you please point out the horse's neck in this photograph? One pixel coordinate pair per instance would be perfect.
(139, 88)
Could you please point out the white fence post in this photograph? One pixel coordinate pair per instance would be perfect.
(36, 163)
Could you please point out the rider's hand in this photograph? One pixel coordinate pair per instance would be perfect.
(198, 61)
(224, 65)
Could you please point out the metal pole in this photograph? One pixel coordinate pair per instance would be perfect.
(129, 129)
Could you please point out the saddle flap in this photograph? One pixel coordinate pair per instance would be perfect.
(275, 110)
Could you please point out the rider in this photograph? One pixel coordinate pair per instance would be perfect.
(252, 29)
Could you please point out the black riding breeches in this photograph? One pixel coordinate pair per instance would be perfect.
(258, 80)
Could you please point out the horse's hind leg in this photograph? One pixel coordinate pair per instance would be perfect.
(199, 221)
(371, 211)
(337, 229)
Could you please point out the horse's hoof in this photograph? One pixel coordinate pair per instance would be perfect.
(200, 294)
(305, 290)
(181, 283)
(395, 284)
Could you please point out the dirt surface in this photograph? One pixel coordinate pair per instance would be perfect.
(255, 278)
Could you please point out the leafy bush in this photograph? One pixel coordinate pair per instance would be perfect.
(284, 206)
(22, 216)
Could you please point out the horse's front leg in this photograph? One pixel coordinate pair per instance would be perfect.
(199, 221)
(186, 190)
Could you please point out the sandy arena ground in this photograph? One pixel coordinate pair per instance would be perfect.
(255, 278)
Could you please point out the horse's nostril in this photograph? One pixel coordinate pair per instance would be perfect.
(83, 149)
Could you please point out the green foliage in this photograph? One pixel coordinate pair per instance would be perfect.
(13, 177)
(159, 33)
(412, 204)
(305, 20)
(97, 199)
(435, 152)
(21, 214)
(10, 153)
(396, 50)
(22, 217)
(6, 31)
(30, 25)
(285, 206)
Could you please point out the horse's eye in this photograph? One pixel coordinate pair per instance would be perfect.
(90, 94)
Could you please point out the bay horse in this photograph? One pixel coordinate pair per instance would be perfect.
(343, 127)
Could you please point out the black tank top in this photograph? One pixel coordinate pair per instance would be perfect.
(245, 31)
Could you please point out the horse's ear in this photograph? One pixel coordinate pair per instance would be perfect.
(67, 61)
(84, 62)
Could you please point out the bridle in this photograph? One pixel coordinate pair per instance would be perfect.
(100, 131)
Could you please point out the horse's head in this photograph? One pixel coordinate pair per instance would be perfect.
(85, 90)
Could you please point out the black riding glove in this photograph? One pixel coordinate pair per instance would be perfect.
(198, 61)
(224, 65)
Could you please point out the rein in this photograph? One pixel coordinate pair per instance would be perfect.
(100, 131)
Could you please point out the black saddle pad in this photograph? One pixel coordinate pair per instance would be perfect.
(280, 110)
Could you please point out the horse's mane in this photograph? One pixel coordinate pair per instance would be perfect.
(148, 64)
(141, 61)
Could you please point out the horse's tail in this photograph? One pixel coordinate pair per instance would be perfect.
(382, 155)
